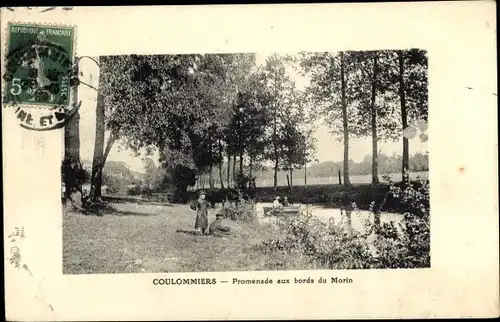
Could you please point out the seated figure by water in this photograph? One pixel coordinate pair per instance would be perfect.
(217, 229)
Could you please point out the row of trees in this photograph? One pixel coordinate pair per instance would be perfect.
(387, 164)
(202, 112)
(369, 93)
(197, 111)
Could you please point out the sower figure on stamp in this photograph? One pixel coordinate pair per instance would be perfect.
(201, 213)
(216, 228)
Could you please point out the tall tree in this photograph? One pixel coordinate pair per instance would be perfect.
(115, 78)
(404, 119)
(331, 95)
(375, 113)
(98, 160)
(373, 110)
(413, 89)
(345, 124)
(293, 139)
(72, 163)
(182, 97)
(279, 88)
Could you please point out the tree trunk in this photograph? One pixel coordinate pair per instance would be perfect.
(305, 174)
(210, 182)
(375, 179)
(288, 180)
(234, 170)
(344, 120)
(250, 165)
(228, 169)
(275, 140)
(220, 176)
(241, 164)
(220, 165)
(275, 185)
(403, 115)
(72, 145)
(241, 150)
(97, 162)
(97, 179)
(291, 178)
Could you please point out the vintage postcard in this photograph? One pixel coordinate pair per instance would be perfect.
(250, 162)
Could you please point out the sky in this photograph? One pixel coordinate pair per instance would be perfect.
(327, 147)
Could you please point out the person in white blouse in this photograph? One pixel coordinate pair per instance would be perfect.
(276, 202)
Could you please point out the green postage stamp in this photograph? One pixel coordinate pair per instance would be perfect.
(39, 74)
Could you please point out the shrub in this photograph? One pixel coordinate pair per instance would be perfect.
(74, 173)
(327, 245)
(337, 246)
(408, 247)
(242, 181)
(241, 211)
(134, 190)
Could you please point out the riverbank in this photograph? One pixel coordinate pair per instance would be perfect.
(331, 196)
(139, 238)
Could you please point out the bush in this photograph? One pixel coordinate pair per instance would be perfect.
(338, 246)
(242, 181)
(410, 246)
(241, 211)
(326, 245)
(74, 173)
(134, 190)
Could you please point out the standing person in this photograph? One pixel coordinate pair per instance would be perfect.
(201, 213)
(285, 202)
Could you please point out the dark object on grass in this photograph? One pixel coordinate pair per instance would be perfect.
(193, 204)
(188, 232)
(216, 228)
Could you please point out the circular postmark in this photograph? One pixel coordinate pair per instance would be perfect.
(39, 75)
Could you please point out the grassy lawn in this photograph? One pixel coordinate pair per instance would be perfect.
(135, 238)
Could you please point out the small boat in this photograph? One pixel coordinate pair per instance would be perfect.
(282, 211)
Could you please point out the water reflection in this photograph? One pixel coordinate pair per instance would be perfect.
(357, 219)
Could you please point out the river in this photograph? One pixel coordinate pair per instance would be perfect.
(358, 217)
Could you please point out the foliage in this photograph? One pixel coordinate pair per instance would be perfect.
(325, 87)
(118, 177)
(357, 93)
(242, 210)
(337, 246)
(420, 126)
(74, 173)
(181, 177)
(242, 181)
(134, 190)
(410, 246)
(286, 146)
(328, 245)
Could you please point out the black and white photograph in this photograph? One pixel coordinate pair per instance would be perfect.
(248, 161)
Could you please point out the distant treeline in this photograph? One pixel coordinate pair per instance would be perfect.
(387, 164)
